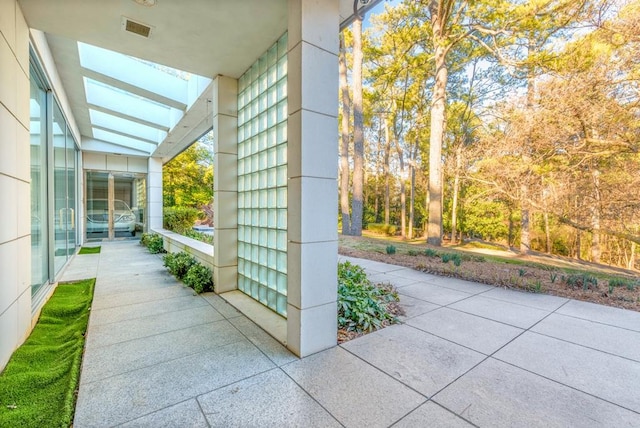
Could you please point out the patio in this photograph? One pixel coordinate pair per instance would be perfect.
(465, 354)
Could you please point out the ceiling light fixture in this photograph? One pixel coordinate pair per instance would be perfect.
(147, 3)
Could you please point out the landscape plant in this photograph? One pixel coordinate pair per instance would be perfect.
(199, 278)
(178, 264)
(153, 242)
(363, 306)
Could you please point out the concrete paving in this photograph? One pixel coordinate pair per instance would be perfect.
(465, 354)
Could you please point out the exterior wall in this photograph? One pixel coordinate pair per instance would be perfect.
(104, 162)
(15, 247)
(312, 252)
(174, 243)
(154, 194)
(225, 183)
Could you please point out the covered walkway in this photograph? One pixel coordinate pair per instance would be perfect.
(466, 354)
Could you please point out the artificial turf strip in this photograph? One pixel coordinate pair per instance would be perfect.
(38, 386)
(89, 250)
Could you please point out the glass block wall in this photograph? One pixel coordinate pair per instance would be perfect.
(262, 179)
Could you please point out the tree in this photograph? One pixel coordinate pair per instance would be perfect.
(357, 203)
(187, 180)
(344, 139)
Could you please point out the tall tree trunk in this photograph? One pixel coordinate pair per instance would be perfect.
(595, 219)
(547, 232)
(358, 131)
(456, 190)
(412, 198)
(403, 196)
(525, 239)
(387, 151)
(632, 257)
(434, 231)
(425, 230)
(525, 225)
(344, 141)
(578, 254)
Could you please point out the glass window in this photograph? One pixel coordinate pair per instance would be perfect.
(38, 150)
(262, 179)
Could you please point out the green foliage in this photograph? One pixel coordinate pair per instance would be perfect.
(553, 276)
(522, 272)
(178, 264)
(412, 253)
(187, 180)
(153, 242)
(200, 236)
(382, 229)
(623, 282)
(199, 278)
(180, 219)
(430, 252)
(391, 249)
(584, 280)
(457, 260)
(39, 384)
(486, 219)
(89, 250)
(362, 306)
(537, 286)
(446, 257)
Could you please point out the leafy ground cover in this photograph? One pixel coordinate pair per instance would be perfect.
(89, 250)
(534, 273)
(362, 305)
(38, 387)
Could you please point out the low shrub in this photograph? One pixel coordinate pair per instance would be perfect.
(153, 242)
(199, 278)
(178, 264)
(623, 282)
(382, 228)
(391, 249)
(430, 252)
(584, 280)
(412, 253)
(457, 260)
(446, 257)
(180, 219)
(362, 306)
(200, 236)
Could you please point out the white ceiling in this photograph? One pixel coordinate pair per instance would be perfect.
(204, 37)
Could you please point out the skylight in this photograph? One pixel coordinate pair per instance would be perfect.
(132, 102)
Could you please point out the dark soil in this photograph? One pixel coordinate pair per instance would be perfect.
(538, 279)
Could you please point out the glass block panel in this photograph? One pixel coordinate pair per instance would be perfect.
(281, 133)
(281, 175)
(282, 197)
(282, 283)
(282, 262)
(281, 305)
(262, 179)
(282, 219)
(281, 243)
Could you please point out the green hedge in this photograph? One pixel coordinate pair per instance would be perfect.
(180, 219)
(382, 228)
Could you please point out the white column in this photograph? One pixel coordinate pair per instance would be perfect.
(154, 194)
(312, 168)
(15, 177)
(225, 184)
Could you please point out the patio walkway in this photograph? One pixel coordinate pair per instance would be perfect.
(466, 354)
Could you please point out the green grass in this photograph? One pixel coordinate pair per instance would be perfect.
(38, 386)
(89, 250)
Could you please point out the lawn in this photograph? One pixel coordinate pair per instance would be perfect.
(537, 273)
(89, 250)
(38, 387)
